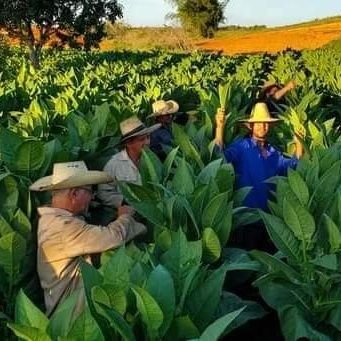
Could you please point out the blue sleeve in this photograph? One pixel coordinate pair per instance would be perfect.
(285, 163)
(232, 152)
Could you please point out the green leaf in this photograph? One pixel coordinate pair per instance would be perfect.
(183, 182)
(21, 224)
(9, 196)
(12, 253)
(214, 331)
(29, 158)
(183, 141)
(62, 319)
(161, 286)
(168, 163)
(110, 296)
(298, 186)
(150, 311)
(27, 314)
(283, 238)
(181, 258)
(209, 172)
(218, 216)
(85, 328)
(211, 246)
(334, 234)
(28, 333)
(295, 326)
(5, 228)
(150, 167)
(117, 323)
(204, 299)
(182, 328)
(300, 221)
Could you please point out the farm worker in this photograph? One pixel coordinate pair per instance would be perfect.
(123, 166)
(163, 113)
(65, 238)
(255, 160)
(273, 93)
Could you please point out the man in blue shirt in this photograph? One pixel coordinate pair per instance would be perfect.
(163, 112)
(255, 160)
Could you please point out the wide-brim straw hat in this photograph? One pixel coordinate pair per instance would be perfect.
(260, 114)
(69, 175)
(132, 127)
(161, 108)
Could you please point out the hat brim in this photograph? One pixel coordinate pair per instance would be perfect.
(155, 114)
(270, 120)
(145, 131)
(88, 178)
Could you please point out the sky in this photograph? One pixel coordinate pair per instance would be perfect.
(238, 12)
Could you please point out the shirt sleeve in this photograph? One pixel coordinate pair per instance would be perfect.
(81, 238)
(231, 152)
(285, 163)
(109, 193)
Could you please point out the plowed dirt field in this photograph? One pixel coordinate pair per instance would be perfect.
(274, 40)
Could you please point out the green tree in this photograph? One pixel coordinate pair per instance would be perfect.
(200, 16)
(34, 22)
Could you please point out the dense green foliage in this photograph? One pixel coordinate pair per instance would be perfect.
(36, 22)
(172, 284)
(200, 16)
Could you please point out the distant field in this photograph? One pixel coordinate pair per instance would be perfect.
(303, 36)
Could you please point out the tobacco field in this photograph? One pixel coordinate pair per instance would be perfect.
(178, 282)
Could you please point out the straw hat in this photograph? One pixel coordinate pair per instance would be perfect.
(161, 108)
(132, 127)
(260, 113)
(70, 175)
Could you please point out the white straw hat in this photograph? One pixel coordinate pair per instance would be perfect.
(132, 127)
(260, 113)
(161, 108)
(70, 175)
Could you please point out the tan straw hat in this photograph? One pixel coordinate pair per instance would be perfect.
(161, 108)
(70, 175)
(260, 113)
(132, 127)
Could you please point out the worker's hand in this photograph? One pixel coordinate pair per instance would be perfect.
(220, 118)
(125, 210)
(291, 85)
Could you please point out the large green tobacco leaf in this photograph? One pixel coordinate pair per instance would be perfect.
(182, 328)
(62, 319)
(9, 142)
(300, 221)
(27, 314)
(283, 238)
(150, 311)
(168, 163)
(116, 269)
(161, 286)
(218, 216)
(181, 258)
(29, 158)
(183, 141)
(295, 326)
(110, 296)
(150, 167)
(277, 266)
(204, 300)
(183, 180)
(214, 331)
(334, 234)
(5, 228)
(85, 328)
(9, 196)
(21, 224)
(29, 333)
(210, 171)
(298, 186)
(12, 253)
(211, 246)
(116, 322)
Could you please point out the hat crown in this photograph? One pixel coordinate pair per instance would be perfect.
(65, 170)
(260, 113)
(162, 107)
(130, 124)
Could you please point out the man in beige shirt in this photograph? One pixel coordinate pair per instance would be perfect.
(123, 166)
(64, 237)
